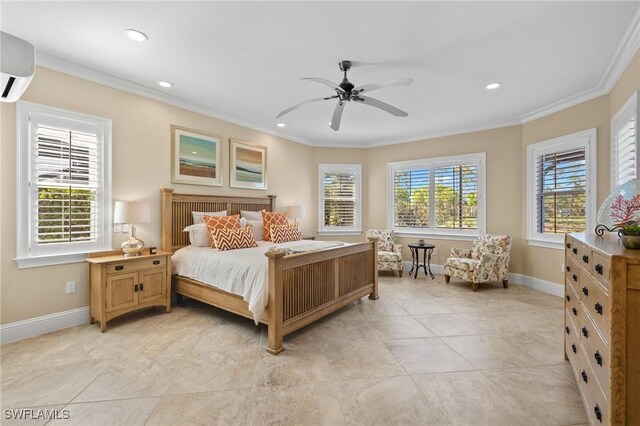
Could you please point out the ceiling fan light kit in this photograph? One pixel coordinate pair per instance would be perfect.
(347, 92)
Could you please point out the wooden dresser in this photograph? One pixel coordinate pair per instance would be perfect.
(602, 326)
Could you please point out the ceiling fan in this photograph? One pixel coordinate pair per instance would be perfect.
(347, 92)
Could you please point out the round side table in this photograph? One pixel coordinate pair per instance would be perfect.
(426, 259)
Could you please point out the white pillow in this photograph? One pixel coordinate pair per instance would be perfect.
(198, 217)
(198, 234)
(258, 228)
(251, 215)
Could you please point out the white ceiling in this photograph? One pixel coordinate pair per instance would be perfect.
(243, 61)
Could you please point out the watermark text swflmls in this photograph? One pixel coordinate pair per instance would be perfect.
(36, 414)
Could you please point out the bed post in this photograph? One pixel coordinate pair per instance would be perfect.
(167, 219)
(272, 202)
(374, 293)
(275, 303)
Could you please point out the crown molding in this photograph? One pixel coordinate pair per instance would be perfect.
(72, 68)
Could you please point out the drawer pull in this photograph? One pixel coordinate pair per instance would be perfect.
(598, 308)
(135, 288)
(599, 269)
(566, 329)
(568, 298)
(584, 376)
(568, 245)
(598, 358)
(573, 348)
(141, 287)
(575, 277)
(119, 267)
(585, 290)
(575, 250)
(156, 262)
(575, 312)
(598, 413)
(585, 332)
(585, 258)
(568, 268)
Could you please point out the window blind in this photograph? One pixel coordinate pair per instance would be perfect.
(340, 198)
(64, 185)
(411, 198)
(560, 192)
(625, 148)
(456, 196)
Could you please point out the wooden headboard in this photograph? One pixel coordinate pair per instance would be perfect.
(177, 208)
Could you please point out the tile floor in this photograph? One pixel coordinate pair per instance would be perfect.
(424, 353)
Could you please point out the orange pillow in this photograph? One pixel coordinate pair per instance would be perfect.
(272, 218)
(285, 233)
(236, 238)
(220, 222)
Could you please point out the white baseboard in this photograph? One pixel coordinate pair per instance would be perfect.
(45, 324)
(521, 279)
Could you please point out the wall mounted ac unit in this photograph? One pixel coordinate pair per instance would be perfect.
(17, 65)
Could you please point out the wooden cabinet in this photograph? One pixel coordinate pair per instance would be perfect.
(121, 284)
(602, 326)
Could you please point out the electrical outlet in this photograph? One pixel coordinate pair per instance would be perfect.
(562, 267)
(117, 227)
(70, 287)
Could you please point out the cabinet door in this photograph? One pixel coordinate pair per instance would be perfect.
(121, 292)
(154, 286)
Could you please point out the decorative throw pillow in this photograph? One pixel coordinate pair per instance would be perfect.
(272, 218)
(285, 233)
(257, 226)
(222, 222)
(198, 217)
(231, 239)
(251, 215)
(198, 234)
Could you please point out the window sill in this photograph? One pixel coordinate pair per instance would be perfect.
(334, 232)
(58, 259)
(556, 245)
(455, 237)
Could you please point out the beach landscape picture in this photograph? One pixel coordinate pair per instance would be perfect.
(248, 166)
(196, 157)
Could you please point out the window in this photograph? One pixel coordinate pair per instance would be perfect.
(561, 178)
(64, 180)
(624, 143)
(340, 193)
(438, 196)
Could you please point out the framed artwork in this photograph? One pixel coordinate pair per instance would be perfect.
(248, 165)
(195, 157)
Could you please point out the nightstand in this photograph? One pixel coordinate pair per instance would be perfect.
(118, 284)
(308, 238)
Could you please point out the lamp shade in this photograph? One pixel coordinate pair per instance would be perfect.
(295, 212)
(132, 212)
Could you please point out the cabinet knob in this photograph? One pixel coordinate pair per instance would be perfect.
(135, 288)
(598, 413)
(119, 267)
(585, 332)
(568, 268)
(598, 358)
(575, 250)
(568, 298)
(574, 277)
(598, 268)
(141, 287)
(584, 376)
(598, 308)
(575, 312)
(568, 245)
(156, 262)
(585, 258)
(585, 290)
(566, 329)
(573, 348)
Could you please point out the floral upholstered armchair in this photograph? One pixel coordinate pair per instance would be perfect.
(389, 253)
(487, 261)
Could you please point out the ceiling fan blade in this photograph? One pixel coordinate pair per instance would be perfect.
(288, 110)
(381, 84)
(337, 116)
(326, 82)
(380, 105)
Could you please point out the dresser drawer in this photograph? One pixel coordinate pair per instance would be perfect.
(572, 307)
(574, 275)
(136, 265)
(596, 305)
(600, 267)
(572, 339)
(597, 405)
(579, 252)
(597, 356)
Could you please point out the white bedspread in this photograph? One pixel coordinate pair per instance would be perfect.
(243, 272)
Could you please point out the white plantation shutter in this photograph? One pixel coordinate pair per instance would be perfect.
(66, 182)
(624, 143)
(456, 196)
(340, 197)
(411, 198)
(560, 192)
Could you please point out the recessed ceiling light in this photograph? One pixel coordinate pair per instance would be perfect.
(194, 152)
(165, 84)
(280, 124)
(136, 35)
(493, 86)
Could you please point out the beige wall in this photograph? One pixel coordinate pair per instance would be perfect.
(141, 166)
(628, 83)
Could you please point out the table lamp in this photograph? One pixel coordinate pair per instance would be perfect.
(132, 212)
(295, 212)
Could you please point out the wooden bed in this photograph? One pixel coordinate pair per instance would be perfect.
(302, 287)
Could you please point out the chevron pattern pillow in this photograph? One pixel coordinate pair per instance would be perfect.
(232, 239)
(285, 233)
(220, 222)
(272, 218)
